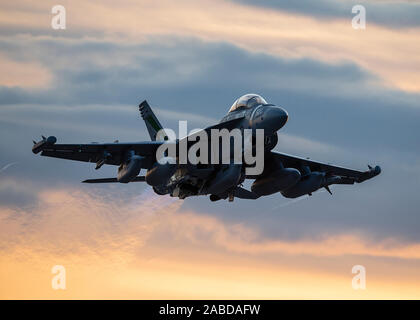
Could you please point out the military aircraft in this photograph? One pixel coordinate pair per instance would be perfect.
(290, 175)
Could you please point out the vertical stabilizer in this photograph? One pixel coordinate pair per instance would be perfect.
(152, 123)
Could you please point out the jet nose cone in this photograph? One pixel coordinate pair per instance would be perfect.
(276, 118)
(284, 116)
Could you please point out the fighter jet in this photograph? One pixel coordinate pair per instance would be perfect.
(282, 173)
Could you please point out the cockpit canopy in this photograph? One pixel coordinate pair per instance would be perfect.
(247, 101)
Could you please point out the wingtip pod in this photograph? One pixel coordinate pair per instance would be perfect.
(39, 146)
(372, 172)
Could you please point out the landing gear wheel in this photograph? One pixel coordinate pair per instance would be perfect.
(213, 197)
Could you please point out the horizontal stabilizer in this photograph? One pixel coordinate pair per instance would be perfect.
(108, 180)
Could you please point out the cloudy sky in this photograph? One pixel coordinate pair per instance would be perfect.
(353, 98)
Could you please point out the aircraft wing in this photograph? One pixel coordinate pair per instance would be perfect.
(109, 153)
(228, 123)
(349, 175)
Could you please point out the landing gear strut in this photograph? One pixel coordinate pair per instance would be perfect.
(231, 197)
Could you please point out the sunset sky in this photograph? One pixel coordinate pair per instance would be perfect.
(353, 98)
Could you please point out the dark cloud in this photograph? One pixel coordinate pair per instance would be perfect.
(97, 85)
(392, 14)
(187, 75)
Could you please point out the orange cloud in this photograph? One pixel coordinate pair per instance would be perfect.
(150, 248)
(390, 54)
(23, 74)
